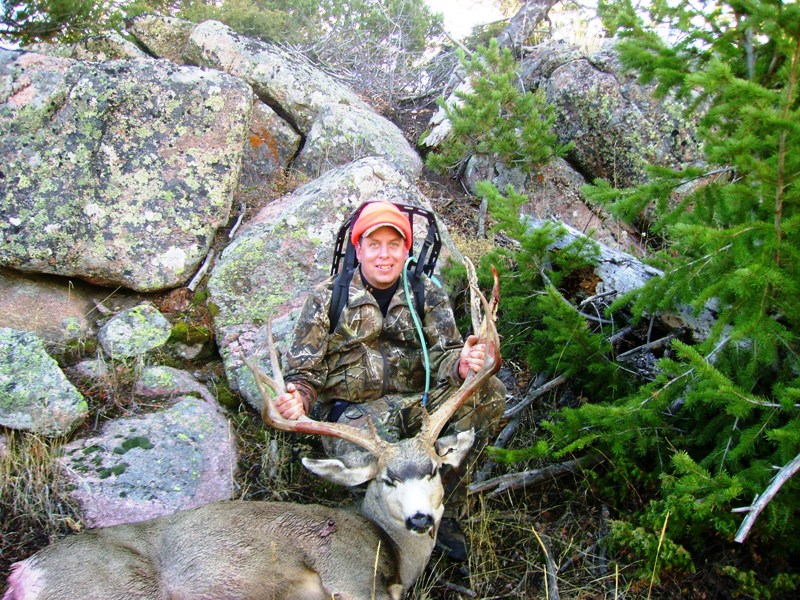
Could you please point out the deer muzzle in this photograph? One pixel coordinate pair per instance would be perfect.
(419, 522)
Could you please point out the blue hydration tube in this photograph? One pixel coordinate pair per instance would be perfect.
(418, 326)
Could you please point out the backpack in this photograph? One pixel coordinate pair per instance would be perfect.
(345, 262)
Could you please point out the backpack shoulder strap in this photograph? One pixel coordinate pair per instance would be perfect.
(341, 290)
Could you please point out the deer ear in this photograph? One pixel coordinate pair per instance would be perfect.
(336, 471)
(453, 448)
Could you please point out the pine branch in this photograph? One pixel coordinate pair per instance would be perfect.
(761, 502)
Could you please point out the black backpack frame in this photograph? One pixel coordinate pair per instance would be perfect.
(345, 262)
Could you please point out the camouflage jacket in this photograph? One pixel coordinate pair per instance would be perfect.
(368, 355)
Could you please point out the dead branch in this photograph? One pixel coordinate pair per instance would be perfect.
(201, 272)
(550, 566)
(532, 395)
(781, 477)
(501, 442)
(524, 23)
(523, 479)
(654, 345)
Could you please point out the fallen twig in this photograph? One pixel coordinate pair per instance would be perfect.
(532, 395)
(649, 346)
(239, 219)
(201, 272)
(551, 592)
(512, 481)
(782, 476)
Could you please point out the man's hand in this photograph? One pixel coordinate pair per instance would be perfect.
(291, 405)
(472, 356)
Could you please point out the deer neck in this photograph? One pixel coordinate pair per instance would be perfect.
(413, 549)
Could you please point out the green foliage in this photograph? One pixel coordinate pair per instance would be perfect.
(264, 20)
(496, 118)
(57, 20)
(752, 585)
(706, 435)
(660, 553)
(539, 322)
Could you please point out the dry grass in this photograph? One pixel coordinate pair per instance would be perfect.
(33, 506)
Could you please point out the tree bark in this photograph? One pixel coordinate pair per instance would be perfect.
(524, 23)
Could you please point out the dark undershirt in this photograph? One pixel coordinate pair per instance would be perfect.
(383, 297)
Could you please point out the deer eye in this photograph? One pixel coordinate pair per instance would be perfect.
(390, 482)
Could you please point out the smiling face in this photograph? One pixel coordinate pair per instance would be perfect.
(382, 255)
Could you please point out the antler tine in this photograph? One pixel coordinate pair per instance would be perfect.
(475, 309)
(269, 413)
(488, 334)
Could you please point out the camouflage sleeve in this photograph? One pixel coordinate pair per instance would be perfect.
(442, 335)
(304, 361)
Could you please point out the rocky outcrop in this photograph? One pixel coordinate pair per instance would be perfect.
(118, 173)
(341, 134)
(108, 46)
(124, 173)
(618, 127)
(284, 81)
(62, 312)
(164, 37)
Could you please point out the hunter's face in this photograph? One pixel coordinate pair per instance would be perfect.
(382, 255)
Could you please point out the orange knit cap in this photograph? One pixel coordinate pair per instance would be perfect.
(381, 214)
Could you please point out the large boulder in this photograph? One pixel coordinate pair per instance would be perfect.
(119, 172)
(164, 37)
(64, 313)
(617, 125)
(134, 332)
(285, 250)
(106, 46)
(271, 145)
(341, 134)
(555, 191)
(282, 79)
(142, 467)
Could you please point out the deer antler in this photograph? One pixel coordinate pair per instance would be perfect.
(370, 441)
(487, 326)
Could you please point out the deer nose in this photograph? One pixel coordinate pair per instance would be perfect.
(421, 523)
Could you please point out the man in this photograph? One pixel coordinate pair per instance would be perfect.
(371, 365)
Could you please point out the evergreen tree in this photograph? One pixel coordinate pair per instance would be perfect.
(56, 20)
(707, 434)
(496, 119)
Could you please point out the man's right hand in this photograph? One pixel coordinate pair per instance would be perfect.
(291, 405)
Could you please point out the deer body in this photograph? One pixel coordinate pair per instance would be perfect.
(224, 550)
(251, 550)
(247, 550)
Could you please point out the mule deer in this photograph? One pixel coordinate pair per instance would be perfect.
(279, 550)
